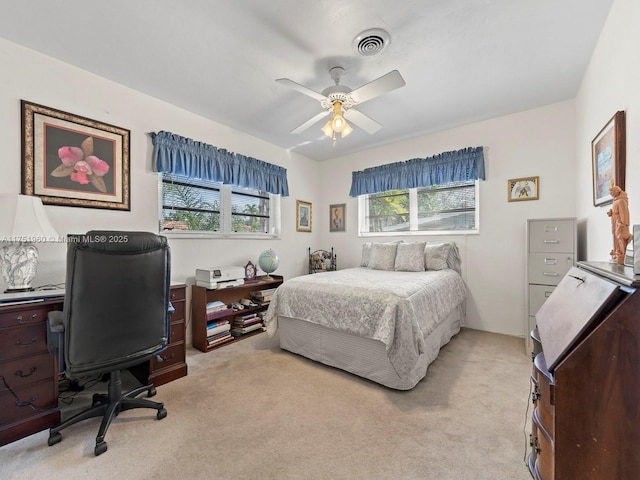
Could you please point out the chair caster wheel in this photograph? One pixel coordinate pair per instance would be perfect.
(54, 438)
(100, 448)
(151, 392)
(161, 413)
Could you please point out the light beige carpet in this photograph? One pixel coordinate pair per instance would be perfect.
(252, 411)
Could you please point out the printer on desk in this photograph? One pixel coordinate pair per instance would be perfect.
(222, 277)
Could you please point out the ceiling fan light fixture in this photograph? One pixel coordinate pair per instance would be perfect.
(346, 130)
(328, 131)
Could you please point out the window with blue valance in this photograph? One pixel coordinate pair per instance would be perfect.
(442, 169)
(183, 156)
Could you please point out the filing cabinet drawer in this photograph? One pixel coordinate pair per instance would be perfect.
(178, 314)
(538, 294)
(551, 236)
(176, 332)
(175, 353)
(548, 268)
(177, 293)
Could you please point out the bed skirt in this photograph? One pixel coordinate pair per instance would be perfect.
(363, 356)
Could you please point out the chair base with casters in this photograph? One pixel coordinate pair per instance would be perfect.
(108, 406)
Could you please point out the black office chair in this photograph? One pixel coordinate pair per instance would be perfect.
(116, 315)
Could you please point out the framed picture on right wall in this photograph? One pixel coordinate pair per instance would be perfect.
(608, 159)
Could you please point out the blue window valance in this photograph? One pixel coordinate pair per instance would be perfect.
(184, 156)
(448, 167)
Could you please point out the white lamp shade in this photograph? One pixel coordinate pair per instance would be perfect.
(22, 218)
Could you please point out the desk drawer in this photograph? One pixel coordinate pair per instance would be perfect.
(175, 353)
(32, 399)
(177, 293)
(26, 370)
(176, 332)
(19, 341)
(24, 316)
(178, 314)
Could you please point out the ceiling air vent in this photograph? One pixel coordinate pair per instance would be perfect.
(371, 42)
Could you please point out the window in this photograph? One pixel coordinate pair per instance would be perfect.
(199, 207)
(440, 209)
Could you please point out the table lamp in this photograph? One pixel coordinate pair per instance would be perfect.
(23, 221)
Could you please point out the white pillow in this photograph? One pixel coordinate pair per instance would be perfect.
(410, 257)
(366, 254)
(435, 256)
(383, 256)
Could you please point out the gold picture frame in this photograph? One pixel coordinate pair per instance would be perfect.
(74, 161)
(303, 216)
(522, 189)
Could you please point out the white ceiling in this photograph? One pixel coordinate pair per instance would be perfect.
(463, 60)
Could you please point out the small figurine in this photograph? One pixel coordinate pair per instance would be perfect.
(619, 214)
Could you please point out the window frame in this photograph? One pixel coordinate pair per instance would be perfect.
(226, 216)
(363, 207)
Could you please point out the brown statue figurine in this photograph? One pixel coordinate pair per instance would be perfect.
(619, 214)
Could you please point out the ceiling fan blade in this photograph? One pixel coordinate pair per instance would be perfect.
(310, 122)
(301, 88)
(383, 84)
(358, 118)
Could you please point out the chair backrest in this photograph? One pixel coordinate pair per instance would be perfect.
(116, 301)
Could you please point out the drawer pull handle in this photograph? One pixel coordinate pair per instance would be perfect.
(550, 228)
(165, 358)
(550, 261)
(32, 317)
(535, 395)
(547, 294)
(551, 241)
(24, 345)
(21, 374)
(550, 274)
(20, 403)
(533, 443)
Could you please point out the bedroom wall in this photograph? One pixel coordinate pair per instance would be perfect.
(40, 79)
(537, 142)
(611, 83)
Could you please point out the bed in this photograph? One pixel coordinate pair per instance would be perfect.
(385, 320)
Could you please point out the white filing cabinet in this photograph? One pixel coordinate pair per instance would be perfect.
(551, 251)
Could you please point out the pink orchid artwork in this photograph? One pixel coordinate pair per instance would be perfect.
(81, 165)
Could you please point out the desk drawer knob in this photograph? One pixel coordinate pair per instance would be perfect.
(23, 345)
(32, 318)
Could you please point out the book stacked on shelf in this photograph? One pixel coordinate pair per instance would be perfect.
(217, 309)
(218, 332)
(243, 324)
(263, 296)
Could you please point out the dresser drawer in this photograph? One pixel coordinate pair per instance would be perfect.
(544, 467)
(548, 268)
(25, 370)
(31, 400)
(20, 341)
(552, 236)
(24, 316)
(175, 353)
(176, 332)
(178, 293)
(538, 294)
(178, 314)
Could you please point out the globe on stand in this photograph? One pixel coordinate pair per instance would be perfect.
(269, 262)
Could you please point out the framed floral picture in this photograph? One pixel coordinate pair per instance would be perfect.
(303, 216)
(525, 188)
(337, 217)
(74, 161)
(608, 159)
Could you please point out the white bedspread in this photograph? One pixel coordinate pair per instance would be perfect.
(397, 308)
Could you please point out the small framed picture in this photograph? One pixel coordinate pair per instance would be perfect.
(337, 217)
(303, 216)
(521, 189)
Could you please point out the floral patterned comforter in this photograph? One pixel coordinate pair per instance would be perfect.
(399, 309)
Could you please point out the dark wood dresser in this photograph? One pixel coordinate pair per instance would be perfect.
(28, 372)
(586, 381)
(28, 376)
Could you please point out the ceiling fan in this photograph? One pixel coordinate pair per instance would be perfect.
(338, 101)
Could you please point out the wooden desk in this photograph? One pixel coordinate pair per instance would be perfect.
(28, 373)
